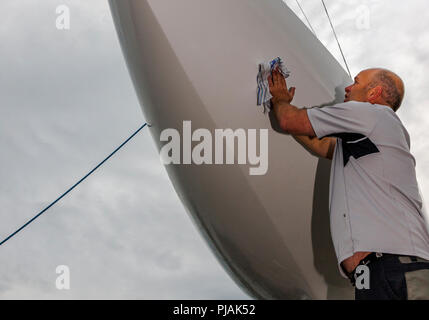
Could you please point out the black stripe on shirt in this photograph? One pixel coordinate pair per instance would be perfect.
(354, 145)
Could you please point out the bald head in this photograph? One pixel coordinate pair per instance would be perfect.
(391, 84)
(377, 86)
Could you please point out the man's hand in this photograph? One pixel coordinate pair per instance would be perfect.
(294, 120)
(291, 119)
(278, 88)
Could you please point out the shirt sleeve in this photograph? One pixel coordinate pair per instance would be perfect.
(348, 117)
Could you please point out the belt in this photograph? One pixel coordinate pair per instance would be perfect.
(373, 256)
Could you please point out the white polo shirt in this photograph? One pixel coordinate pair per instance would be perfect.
(374, 199)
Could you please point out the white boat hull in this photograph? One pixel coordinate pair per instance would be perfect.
(197, 60)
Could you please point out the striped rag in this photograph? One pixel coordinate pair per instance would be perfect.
(265, 70)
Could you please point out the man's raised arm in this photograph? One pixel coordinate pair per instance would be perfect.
(294, 120)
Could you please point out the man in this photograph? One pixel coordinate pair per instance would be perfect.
(376, 211)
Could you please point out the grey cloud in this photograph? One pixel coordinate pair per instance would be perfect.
(67, 100)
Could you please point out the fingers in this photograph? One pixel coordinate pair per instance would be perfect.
(292, 91)
(278, 79)
(270, 81)
(274, 78)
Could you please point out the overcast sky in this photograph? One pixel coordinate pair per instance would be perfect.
(67, 101)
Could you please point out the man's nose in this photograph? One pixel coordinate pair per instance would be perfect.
(348, 89)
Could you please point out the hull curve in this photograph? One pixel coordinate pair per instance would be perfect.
(197, 60)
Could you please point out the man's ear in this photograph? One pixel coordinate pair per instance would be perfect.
(374, 94)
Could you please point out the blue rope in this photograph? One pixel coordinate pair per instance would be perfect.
(75, 185)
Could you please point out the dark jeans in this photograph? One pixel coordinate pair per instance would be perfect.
(395, 277)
